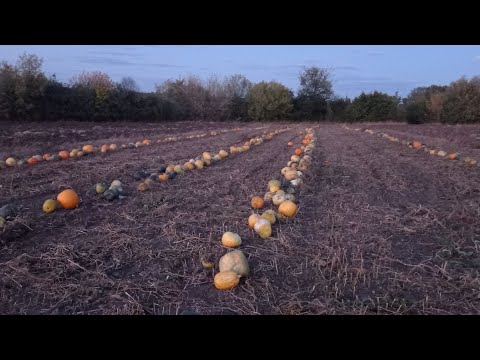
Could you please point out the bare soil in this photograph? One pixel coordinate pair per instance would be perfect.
(381, 229)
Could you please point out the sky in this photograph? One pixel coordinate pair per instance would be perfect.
(356, 68)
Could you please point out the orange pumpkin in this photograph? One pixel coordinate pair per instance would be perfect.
(298, 152)
(146, 142)
(46, 156)
(257, 202)
(64, 154)
(287, 208)
(305, 141)
(105, 148)
(417, 144)
(163, 177)
(87, 148)
(32, 161)
(68, 199)
(290, 143)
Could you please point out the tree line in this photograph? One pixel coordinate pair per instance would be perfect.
(27, 94)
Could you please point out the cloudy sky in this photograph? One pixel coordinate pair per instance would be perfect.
(356, 68)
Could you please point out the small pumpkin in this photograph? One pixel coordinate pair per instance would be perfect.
(116, 184)
(285, 169)
(268, 196)
(32, 161)
(207, 264)
(146, 142)
(442, 153)
(163, 177)
(46, 156)
(252, 219)
(233, 149)
(257, 202)
(263, 228)
(223, 153)
(111, 194)
(206, 155)
(199, 164)
(278, 199)
(290, 143)
(100, 188)
(287, 208)
(290, 197)
(453, 156)
(298, 152)
(230, 239)
(170, 168)
(296, 182)
(10, 161)
(80, 153)
(274, 185)
(113, 147)
(417, 145)
(64, 154)
(148, 182)
(142, 187)
(295, 158)
(234, 261)
(178, 169)
(104, 148)
(226, 280)
(68, 199)
(207, 162)
(88, 148)
(49, 206)
(189, 166)
(270, 216)
(291, 174)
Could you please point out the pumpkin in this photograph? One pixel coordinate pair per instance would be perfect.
(416, 144)
(207, 162)
(46, 156)
(68, 199)
(295, 158)
(226, 280)
(298, 152)
(280, 218)
(290, 191)
(268, 196)
(3, 223)
(473, 162)
(32, 161)
(138, 144)
(49, 206)
(442, 153)
(80, 153)
(142, 187)
(270, 216)
(297, 182)
(233, 149)
(305, 141)
(288, 208)
(146, 142)
(217, 157)
(178, 169)
(64, 154)
(100, 188)
(263, 228)
(234, 261)
(257, 202)
(104, 148)
(230, 239)
(285, 169)
(199, 164)
(113, 147)
(278, 199)
(290, 143)
(280, 192)
(163, 177)
(170, 168)
(432, 152)
(246, 147)
(116, 184)
(189, 166)
(11, 161)
(290, 197)
(291, 174)
(223, 153)
(148, 182)
(207, 264)
(252, 219)
(74, 152)
(88, 148)
(274, 185)
(206, 155)
(453, 156)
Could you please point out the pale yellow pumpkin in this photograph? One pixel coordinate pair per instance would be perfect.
(230, 239)
(234, 261)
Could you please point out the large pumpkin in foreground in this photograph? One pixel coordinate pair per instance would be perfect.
(68, 199)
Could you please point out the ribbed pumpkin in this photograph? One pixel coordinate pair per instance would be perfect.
(234, 261)
(68, 199)
(257, 202)
(226, 280)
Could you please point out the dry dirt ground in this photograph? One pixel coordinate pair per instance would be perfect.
(381, 229)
